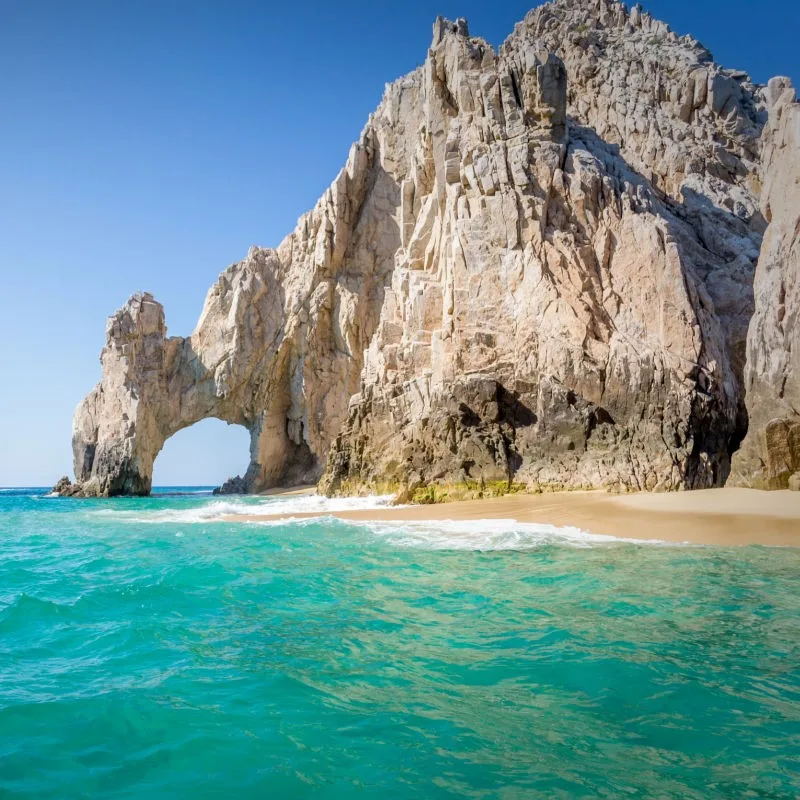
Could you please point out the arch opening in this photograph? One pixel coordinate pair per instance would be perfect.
(202, 455)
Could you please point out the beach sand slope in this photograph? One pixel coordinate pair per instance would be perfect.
(726, 517)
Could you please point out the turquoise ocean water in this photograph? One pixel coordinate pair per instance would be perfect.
(147, 651)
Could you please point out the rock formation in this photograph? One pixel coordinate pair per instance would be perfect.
(770, 454)
(555, 318)
(235, 485)
(66, 488)
(536, 267)
(278, 347)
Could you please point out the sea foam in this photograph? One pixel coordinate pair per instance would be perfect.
(482, 535)
(487, 535)
(216, 510)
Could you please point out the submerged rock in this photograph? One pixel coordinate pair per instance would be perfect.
(535, 268)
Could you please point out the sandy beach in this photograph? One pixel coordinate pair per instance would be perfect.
(729, 517)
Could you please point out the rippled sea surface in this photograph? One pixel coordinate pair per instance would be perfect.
(148, 651)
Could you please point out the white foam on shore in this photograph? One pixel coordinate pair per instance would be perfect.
(489, 535)
(279, 506)
(481, 535)
(204, 513)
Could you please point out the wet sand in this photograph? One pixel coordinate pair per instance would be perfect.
(712, 516)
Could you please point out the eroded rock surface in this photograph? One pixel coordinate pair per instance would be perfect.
(680, 120)
(770, 454)
(553, 317)
(686, 124)
(66, 488)
(536, 267)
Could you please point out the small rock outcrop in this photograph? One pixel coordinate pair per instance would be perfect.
(66, 488)
(235, 485)
(535, 268)
(770, 454)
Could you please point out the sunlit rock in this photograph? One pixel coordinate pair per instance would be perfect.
(535, 268)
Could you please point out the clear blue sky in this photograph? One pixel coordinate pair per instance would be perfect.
(146, 144)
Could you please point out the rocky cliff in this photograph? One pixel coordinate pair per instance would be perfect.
(535, 268)
(770, 455)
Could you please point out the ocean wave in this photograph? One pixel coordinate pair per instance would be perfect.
(214, 511)
(27, 608)
(319, 504)
(205, 513)
(22, 491)
(488, 535)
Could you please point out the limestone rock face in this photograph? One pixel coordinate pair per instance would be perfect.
(278, 347)
(552, 318)
(680, 120)
(687, 125)
(235, 485)
(66, 488)
(770, 454)
(535, 267)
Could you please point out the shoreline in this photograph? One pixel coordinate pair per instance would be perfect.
(722, 517)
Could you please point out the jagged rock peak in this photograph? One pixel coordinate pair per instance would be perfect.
(443, 26)
(500, 354)
(685, 123)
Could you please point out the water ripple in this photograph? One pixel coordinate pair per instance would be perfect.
(327, 659)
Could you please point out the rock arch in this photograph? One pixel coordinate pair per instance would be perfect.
(154, 386)
(279, 346)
